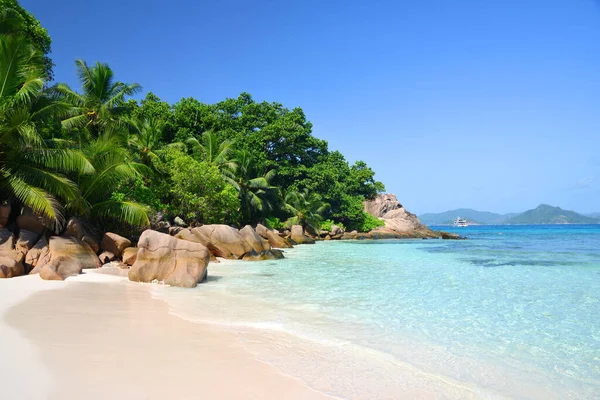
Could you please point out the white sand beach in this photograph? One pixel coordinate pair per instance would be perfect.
(99, 336)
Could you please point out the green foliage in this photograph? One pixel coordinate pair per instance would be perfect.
(306, 209)
(257, 195)
(198, 191)
(16, 21)
(113, 165)
(274, 223)
(32, 169)
(369, 223)
(139, 191)
(101, 105)
(328, 224)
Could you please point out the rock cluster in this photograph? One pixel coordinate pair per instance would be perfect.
(172, 253)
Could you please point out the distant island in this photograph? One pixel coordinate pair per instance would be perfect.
(542, 214)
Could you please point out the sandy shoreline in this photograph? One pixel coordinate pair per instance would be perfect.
(99, 336)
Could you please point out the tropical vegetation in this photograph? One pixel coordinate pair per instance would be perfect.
(99, 153)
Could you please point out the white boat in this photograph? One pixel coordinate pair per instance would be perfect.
(460, 222)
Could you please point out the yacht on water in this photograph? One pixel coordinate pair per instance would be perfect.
(460, 222)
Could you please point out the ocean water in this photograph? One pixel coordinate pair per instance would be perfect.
(512, 312)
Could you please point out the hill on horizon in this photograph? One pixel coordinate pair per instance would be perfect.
(547, 214)
(543, 214)
(473, 216)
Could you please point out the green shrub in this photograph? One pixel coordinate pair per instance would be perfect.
(369, 223)
(328, 224)
(200, 193)
(273, 223)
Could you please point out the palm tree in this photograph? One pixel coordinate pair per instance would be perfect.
(257, 196)
(113, 166)
(31, 166)
(145, 138)
(102, 102)
(215, 152)
(307, 209)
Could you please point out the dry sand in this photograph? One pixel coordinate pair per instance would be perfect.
(100, 336)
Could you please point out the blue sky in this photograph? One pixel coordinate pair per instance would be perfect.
(488, 104)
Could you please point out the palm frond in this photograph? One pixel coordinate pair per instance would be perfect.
(49, 181)
(125, 211)
(60, 159)
(40, 201)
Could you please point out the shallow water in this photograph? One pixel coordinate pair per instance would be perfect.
(511, 312)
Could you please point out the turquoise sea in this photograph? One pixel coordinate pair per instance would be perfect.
(512, 312)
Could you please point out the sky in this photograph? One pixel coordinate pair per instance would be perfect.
(485, 104)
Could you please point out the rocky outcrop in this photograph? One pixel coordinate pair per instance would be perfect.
(31, 222)
(68, 256)
(106, 256)
(275, 240)
(11, 264)
(223, 240)
(114, 243)
(399, 223)
(79, 229)
(164, 258)
(11, 261)
(38, 255)
(298, 236)
(7, 240)
(272, 254)
(26, 241)
(396, 218)
(254, 240)
(129, 255)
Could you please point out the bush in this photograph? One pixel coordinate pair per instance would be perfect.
(369, 223)
(274, 223)
(200, 193)
(327, 225)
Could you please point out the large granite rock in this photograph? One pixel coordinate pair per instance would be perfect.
(274, 239)
(336, 230)
(106, 256)
(7, 240)
(39, 254)
(223, 240)
(84, 231)
(26, 241)
(298, 236)
(272, 254)
(68, 256)
(114, 243)
(129, 255)
(11, 264)
(31, 222)
(397, 219)
(199, 237)
(254, 239)
(164, 258)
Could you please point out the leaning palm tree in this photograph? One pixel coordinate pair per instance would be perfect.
(257, 195)
(306, 208)
(32, 167)
(101, 102)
